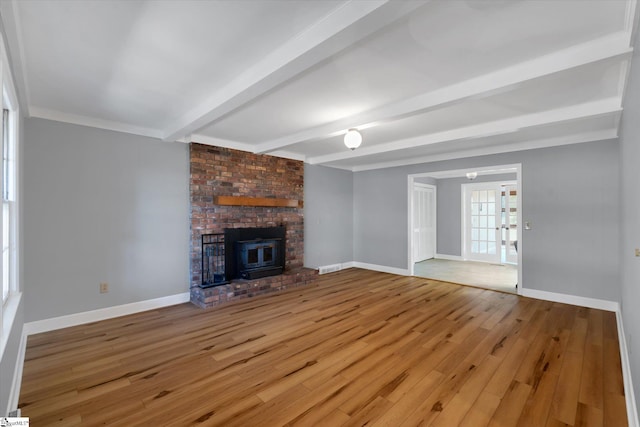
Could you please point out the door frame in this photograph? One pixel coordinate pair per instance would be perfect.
(452, 173)
(435, 215)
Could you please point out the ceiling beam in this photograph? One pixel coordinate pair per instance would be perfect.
(225, 143)
(498, 127)
(610, 48)
(599, 135)
(219, 142)
(348, 24)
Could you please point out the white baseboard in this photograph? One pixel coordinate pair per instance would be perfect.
(75, 319)
(381, 268)
(571, 299)
(449, 257)
(632, 410)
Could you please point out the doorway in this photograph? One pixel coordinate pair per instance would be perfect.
(496, 253)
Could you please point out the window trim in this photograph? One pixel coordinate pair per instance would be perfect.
(9, 100)
(11, 105)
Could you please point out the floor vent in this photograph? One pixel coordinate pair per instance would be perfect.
(329, 268)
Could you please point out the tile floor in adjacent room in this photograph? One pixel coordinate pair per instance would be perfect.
(480, 274)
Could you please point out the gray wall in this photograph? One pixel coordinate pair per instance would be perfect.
(570, 195)
(380, 217)
(630, 224)
(328, 212)
(426, 180)
(449, 211)
(101, 206)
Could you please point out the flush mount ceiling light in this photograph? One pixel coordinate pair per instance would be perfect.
(472, 175)
(352, 139)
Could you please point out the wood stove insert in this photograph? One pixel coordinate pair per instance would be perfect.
(252, 253)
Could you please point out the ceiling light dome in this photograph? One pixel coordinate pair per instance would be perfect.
(352, 139)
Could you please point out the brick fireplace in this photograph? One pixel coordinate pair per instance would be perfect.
(228, 190)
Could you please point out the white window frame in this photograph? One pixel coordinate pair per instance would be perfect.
(9, 100)
(11, 199)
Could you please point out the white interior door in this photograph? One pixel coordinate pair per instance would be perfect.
(510, 221)
(424, 222)
(482, 222)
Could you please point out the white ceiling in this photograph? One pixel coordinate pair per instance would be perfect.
(422, 80)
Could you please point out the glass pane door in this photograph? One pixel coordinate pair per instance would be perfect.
(483, 241)
(510, 221)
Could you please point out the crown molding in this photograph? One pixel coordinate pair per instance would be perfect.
(59, 116)
(12, 35)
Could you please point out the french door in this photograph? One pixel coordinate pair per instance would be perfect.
(510, 222)
(423, 222)
(483, 208)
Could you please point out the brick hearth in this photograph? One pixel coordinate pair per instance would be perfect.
(219, 171)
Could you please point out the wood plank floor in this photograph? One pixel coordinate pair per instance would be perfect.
(357, 348)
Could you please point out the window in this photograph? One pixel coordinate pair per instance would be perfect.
(9, 186)
(8, 220)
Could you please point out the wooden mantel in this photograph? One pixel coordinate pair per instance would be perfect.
(256, 201)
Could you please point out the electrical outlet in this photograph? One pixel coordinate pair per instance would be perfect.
(104, 288)
(637, 251)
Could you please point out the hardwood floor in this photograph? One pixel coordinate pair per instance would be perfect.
(357, 348)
